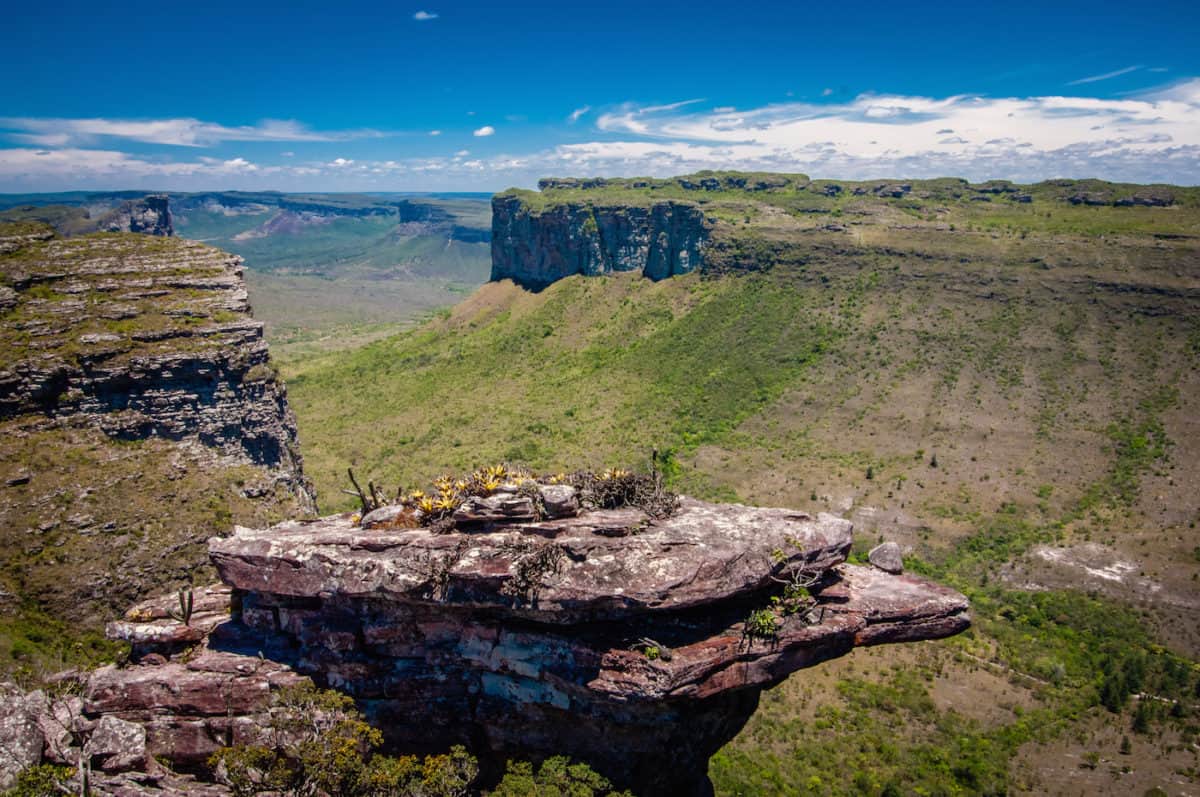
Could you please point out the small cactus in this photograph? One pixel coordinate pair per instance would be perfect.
(186, 602)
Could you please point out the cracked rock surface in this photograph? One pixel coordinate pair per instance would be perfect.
(631, 649)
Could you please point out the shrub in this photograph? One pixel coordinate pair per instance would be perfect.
(319, 744)
(556, 777)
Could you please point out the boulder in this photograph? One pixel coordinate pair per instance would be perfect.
(117, 745)
(887, 557)
(600, 565)
(559, 500)
(20, 735)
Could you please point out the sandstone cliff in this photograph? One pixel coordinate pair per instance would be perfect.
(639, 644)
(150, 215)
(535, 247)
(723, 221)
(140, 414)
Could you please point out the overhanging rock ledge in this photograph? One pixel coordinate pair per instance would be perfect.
(640, 645)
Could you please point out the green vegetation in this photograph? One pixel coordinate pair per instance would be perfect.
(74, 537)
(42, 780)
(321, 745)
(1046, 419)
(556, 777)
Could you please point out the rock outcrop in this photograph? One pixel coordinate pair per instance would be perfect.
(142, 338)
(535, 247)
(640, 645)
(150, 215)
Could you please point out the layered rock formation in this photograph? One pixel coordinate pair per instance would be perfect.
(535, 247)
(640, 645)
(150, 215)
(141, 338)
(732, 221)
(139, 415)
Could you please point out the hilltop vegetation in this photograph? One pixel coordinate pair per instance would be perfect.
(1007, 387)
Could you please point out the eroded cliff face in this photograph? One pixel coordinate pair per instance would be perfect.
(535, 247)
(142, 339)
(139, 412)
(150, 215)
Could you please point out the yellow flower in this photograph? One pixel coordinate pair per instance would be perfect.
(446, 502)
(416, 495)
(426, 505)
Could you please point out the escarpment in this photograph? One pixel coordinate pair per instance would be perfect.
(150, 215)
(142, 338)
(716, 222)
(140, 414)
(538, 247)
(638, 643)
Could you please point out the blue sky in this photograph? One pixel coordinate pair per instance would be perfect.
(480, 96)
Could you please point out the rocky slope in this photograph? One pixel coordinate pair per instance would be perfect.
(140, 413)
(633, 646)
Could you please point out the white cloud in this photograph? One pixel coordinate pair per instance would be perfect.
(1152, 137)
(424, 16)
(486, 130)
(576, 114)
(824, 92)
(435, 132)
(49, 132)
(1105, 76)
(1148, 137)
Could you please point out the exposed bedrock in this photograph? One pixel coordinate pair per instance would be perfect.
(142, 337)
(537, 247)
(150, 215)
(608, 636)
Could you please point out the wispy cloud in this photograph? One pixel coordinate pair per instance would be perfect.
(486, 130)
(1105, 76)
(424, 16)
(435, 132)
(578, 113)
(51, 132)
(1151, 137)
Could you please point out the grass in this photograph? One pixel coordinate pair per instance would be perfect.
(1047, 363)
(561, 390)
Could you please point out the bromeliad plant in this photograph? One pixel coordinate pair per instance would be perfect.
(607, 489)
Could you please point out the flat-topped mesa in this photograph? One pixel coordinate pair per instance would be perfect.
(535, 247)
(636, 643)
